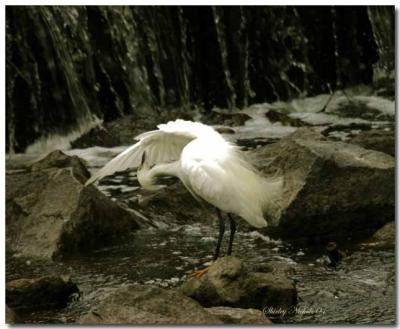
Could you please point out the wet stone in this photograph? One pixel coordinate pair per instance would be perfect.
(228, 283)
(40, 293)
(148, 304)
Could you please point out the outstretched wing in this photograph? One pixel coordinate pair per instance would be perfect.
(161, 146)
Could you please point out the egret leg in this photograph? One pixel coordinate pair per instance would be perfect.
(221, 222)
(232, 233)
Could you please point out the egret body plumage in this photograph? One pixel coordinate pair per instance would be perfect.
(210, 167)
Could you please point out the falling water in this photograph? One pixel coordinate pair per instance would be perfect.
(224, 58)
(66, 65)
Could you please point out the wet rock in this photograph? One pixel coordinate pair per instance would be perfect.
(218, 117)
(58, 159)
(327, 186)
(147, 304)
(174, 204)
(386, 233)
(50, 213)
(234, 315)
(383, 238)
(98, 136)
(277, 268)
(224, 130)
(284, 119)
(41, 293)
(11, 317)
(375, 139)
(228, 283)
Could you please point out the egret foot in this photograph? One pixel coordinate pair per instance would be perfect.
(198, 274)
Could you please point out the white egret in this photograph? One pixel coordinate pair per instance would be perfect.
(211, 168)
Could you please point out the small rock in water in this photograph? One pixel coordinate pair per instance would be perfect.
(228, 283)
(42, 293)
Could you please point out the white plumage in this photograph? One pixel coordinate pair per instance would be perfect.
(210, 167)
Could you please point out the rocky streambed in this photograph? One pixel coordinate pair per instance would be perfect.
(117, 254)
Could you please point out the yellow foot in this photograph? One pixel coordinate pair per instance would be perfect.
(198, 274)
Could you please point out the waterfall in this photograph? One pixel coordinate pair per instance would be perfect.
(68, 67)
(231, 98)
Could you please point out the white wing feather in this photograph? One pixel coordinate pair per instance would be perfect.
(161, 146)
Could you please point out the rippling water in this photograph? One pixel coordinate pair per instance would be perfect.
(360, 290)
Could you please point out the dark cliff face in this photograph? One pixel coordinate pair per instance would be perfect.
(66, 64)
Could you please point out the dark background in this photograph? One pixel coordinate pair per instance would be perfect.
(64, 64)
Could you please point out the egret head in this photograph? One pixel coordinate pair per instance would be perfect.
(146, 176)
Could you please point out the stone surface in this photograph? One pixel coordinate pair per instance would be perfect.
(50, 213)
(58, 159)
(385, 237)
(11, 317)
(378, 140)
(234, 315)
(220, 117)
(146, 304)
(329, 187)
(228, 283)
(41, 293)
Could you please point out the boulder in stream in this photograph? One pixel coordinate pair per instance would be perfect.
(49, 212)
(148, 304)
(228, 283)
(40, 293)
(330, 188)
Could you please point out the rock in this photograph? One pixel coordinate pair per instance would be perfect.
(147, 304)
(42, 293)
(11, 317)
(49, 213)
(58, 159)
(227, 283)
(327, 186)
(97, 136)
(378, 140)
(284, 119)
(231, 315)
(175, 204)
(218, 117)
(385, 237)
(386, 233)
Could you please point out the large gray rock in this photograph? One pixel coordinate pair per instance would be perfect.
(50, 213)
(228, 283)
(146, 304)
(41, 293)
(329, 187)
(234, 315)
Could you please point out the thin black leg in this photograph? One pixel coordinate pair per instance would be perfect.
(221, 221)
(232, 233)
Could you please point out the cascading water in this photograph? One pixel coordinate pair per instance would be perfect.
(67, 66)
